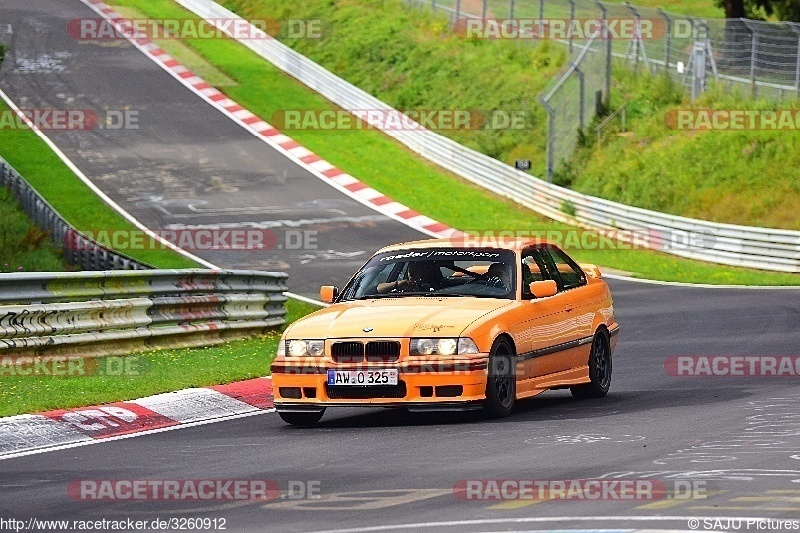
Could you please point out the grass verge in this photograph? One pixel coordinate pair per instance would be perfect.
(23, 246)
(147, 373)
(390, 168)
(72, 198)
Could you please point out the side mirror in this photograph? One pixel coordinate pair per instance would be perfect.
(543, 289)
(328, 293)
(591, 270)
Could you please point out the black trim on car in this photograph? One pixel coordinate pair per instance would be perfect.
(472, 405)
(555, 348)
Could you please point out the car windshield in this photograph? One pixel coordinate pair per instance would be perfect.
(486, 273)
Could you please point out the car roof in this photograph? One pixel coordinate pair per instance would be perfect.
(469, 241)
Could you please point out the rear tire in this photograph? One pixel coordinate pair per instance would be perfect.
(501, 384)
(302, 419)
(599, 370)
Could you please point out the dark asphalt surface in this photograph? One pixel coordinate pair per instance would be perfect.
(736, 439)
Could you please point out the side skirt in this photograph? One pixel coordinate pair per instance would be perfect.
(531, 387)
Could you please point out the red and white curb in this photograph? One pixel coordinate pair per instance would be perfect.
(289, 147)
(67, 428)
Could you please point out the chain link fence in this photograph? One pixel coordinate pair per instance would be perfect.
(759, 59)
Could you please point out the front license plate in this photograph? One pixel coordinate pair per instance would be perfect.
(362, 377)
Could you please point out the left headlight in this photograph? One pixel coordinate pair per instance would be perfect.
(302, 348)
(443, 346)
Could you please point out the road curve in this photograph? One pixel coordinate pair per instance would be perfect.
(736, 439)
(186, 163)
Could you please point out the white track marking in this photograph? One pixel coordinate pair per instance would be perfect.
(697, 285)
(534, 519)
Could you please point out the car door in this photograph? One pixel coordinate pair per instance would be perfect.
(548, 328)
(572, 295)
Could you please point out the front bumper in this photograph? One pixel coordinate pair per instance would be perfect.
(422, 385)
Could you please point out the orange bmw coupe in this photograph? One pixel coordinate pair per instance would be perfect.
(434, 325)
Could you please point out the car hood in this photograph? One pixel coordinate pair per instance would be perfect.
(395, 317)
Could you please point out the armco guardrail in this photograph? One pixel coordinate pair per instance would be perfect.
(728, 244)
(105, 313)
(78, 250)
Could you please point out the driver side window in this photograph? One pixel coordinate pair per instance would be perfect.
(532, 270)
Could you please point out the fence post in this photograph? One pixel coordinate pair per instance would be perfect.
(637, 38)
(571, 18)
(606, 36)
(458, 11)
(483, 10)
(581, 105)
(541, 19)
(698, 68)
(511, 9)
(753, 48)
(668, 40)
(551, 126)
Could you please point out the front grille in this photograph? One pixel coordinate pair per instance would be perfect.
(364, 393)
(382, 351)
(347, 352)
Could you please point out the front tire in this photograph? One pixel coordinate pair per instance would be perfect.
(599, 370)
(302, 419)
(501, 384)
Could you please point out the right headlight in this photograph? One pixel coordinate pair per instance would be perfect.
(303, 347)
(442, 346)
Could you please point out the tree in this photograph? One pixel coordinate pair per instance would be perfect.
(757, 9)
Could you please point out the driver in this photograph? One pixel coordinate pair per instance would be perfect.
(423, 276)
